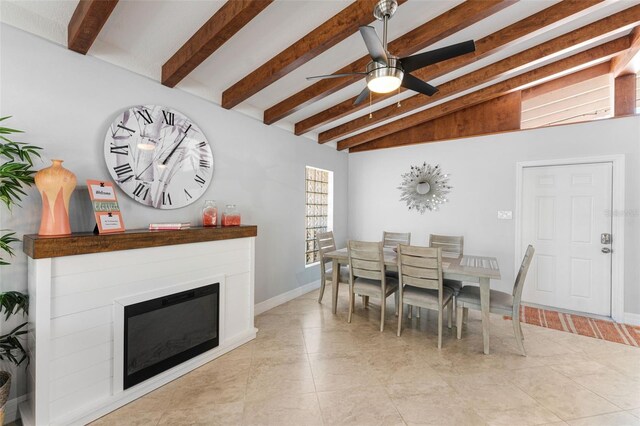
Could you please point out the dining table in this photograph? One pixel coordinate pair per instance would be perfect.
(466, 268)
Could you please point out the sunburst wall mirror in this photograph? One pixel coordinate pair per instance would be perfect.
(424, 188)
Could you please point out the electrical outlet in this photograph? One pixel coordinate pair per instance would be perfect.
(505, 215)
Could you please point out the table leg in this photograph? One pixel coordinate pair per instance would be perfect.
(485, 305)
(335, 276)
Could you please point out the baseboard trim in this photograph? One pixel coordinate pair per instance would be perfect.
(631, 318)
(285, 297)
(11, 408)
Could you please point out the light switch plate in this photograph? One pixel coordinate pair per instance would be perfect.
(505, 214)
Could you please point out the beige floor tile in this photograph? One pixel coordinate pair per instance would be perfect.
(293, 410)
(523, 416)
(612, 419)
(578, 368)
(212, 415)
(360, 406)
(339, 372)
(282, 379)
(442, 408)
(615, 387)
(561, 395)
(119, 418)
(635, 412)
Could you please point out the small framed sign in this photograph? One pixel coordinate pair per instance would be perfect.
(105, 207)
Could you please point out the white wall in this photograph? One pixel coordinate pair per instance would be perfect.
(482, 172)
(65, 103)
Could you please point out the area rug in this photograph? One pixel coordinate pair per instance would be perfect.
(584, 326)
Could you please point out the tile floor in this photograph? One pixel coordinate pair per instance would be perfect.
(310, 367)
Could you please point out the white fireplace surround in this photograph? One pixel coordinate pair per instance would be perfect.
(76, 321)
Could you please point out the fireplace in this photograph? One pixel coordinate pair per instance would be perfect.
(163, 332)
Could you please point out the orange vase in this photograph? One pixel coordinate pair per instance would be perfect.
(55, 184)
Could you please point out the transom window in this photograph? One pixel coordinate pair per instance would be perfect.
(319, 209)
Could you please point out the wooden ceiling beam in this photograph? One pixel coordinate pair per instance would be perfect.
(520, 31)
(444, 25)
(394, 133)
(322, 38)
(628, 62)
(223, 25)
(86, 22)
(591, 33)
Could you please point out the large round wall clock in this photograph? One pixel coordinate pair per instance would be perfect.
(158, 156)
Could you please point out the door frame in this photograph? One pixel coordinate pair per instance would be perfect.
(617, 219)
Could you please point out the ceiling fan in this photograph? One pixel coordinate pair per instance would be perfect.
(386, 73)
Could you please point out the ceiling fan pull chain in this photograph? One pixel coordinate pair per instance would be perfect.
(370, 97)
(398, 105)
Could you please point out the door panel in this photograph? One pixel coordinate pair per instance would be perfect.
(563, 214)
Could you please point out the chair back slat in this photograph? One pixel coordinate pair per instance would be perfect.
(392, 239)
(420, 282)
(420, 272)
(452, 246)
(420, 267)
(522, 274)
(369, 265)
(412, 260)
(366, 260)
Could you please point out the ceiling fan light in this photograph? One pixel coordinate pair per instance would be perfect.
(384, 84)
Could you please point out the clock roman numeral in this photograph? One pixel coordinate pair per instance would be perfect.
(187, 195)
(202, 144)
(204, 163)
(141, 190)
(200, 180)
(124, 172)
(146, 116)
(129, 132)
(169, 118)
(120, 149)
(166, 199)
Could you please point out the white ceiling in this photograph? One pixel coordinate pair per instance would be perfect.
(141, 35)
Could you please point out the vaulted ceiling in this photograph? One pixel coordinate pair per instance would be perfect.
(254, 55)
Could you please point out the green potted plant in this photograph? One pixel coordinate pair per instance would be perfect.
(16, 173)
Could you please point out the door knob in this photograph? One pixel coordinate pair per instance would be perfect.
(606, 250)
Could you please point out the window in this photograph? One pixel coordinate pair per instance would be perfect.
(584, 101)
(319, 209)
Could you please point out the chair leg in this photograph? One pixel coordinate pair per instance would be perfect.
(518, 333)
(450, 315)
(459, 316)
(399, 320)
(455, 309)
(410, 311)
(322, 284)
(365, 300)
(383, 306)
(397, 300)
(418, 311)
(440, 328)
(351, 297)
(465, 315)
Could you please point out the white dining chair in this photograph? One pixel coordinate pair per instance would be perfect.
(500, 302)
(367, 276)
(327, 243)
(421, 283)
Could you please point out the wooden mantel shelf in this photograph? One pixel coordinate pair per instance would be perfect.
(38, 247)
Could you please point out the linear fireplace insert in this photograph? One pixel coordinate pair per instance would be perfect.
(164, 332)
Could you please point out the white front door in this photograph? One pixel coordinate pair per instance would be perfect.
(565, 209)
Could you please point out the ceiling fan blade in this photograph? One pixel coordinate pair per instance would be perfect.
(374, 45)
(417, 85)
(348, 74)
(421, 60)
(362, 96)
